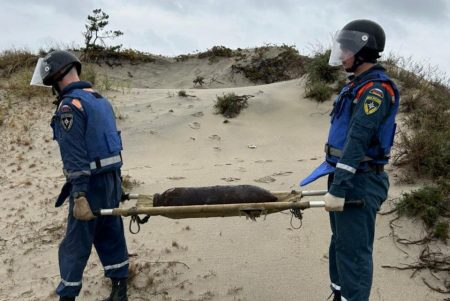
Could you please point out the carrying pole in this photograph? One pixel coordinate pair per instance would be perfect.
(286, 200)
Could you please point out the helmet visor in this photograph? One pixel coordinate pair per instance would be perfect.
(346, 43)
(39, 72)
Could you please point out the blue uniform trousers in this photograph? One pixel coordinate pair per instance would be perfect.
(105, 233)
(350, 253)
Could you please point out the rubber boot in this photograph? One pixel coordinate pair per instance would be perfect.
(118, 290)
(336, 296)
(65, 298)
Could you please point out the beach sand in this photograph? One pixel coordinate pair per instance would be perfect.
(171, 141)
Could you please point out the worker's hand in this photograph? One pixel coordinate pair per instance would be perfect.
(333, 203)
(82, 210)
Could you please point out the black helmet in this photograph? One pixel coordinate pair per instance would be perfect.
(376, 36)
(56, 65)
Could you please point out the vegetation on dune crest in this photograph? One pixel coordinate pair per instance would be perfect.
(264, 68)
(215, 53)
(96, 48)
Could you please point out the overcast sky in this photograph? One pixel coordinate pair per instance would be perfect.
(414, 28)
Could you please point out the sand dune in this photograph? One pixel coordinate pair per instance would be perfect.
(175, 141)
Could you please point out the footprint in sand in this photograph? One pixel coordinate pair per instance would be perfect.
(263, 161)
(198, 114)
(231, 179)
(176, 178)
(194, 125)
(282, 173)
(267, 179)
(214, 137)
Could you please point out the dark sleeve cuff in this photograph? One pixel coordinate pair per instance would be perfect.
(79, 187)
(336, 190)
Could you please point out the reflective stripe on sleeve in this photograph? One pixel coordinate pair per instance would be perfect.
(346, 167)
(76, 174)
(106, 162)
(67, 283)
(116, 266)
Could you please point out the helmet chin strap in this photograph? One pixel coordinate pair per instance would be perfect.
(59, 77)
(56, 92)
(356, 63)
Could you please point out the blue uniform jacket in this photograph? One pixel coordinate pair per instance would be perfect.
(369, 112)
(73, 128)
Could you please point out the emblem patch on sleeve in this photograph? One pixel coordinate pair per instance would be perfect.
(66, 121)
(371, 104)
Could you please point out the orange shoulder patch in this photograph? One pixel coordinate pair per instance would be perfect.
(389, 90)
(77, 104)
(362, 90)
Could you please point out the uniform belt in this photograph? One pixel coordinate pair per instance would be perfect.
(105, 162)
(331, 151)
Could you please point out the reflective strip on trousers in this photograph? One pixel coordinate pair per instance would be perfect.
(346, 167)
(116, 266)
(335, 287)
(106, 162)
(67, 283)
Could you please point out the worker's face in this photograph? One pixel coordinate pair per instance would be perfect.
(347, 58)
(346, 43)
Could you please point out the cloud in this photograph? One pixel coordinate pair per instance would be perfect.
(172, 27)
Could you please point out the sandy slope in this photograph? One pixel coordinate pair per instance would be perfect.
(173, 141)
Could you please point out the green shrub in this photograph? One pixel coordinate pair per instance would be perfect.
(288, 64)
(230, 104)
(115, 57)
(182, 93)
(427, 152)
(319, 77)
(199, 80)
(319, 91)
(427, 203)
(319, 70)
(441, 231)
(423, 143)
(184, 57)
(215, 53)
